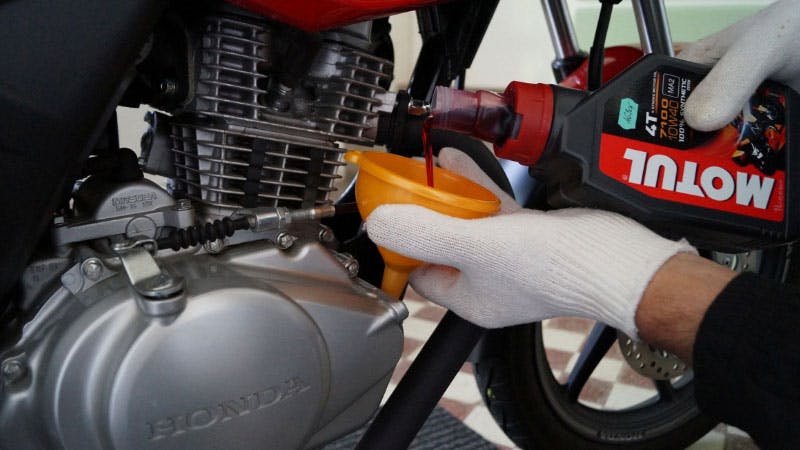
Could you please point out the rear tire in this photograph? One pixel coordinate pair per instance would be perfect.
(533, 409)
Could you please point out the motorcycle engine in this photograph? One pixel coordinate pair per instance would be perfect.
(261, 337)
(266, 108)
(262, 348)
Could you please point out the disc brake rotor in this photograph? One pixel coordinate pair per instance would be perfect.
(658, 364)
(649, 361)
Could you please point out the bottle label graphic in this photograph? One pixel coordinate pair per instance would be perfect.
(646, 144)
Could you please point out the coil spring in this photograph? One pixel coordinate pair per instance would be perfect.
(201, 234)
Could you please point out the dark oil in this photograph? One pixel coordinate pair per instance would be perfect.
(428, 147)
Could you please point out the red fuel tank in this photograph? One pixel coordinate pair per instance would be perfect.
(316, 15)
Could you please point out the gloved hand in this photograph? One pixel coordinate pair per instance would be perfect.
(523, 265)
(762, 46)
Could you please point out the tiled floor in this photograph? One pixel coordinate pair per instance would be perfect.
(612, 385)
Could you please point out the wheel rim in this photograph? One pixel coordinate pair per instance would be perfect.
(669, 406)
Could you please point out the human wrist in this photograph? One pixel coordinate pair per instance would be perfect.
(676, 299)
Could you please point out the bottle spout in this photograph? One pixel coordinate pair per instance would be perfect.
(482, 114)
(517, 121)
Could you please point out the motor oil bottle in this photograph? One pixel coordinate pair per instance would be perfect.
(627, 148)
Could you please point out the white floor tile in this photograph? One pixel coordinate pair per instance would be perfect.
(624, 396)
(736, 431)
(414, 306)
(566, 341)
(608, 370)
(463, 389)
(388, 393)
(592, 405)
(481, 420)
(571, 363)
(413, 355)
(411, 294)
(418, 329)
(712, 441)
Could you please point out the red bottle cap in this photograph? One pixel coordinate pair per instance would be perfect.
(534, 102)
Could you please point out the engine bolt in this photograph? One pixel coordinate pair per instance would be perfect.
(214, 246)
(352, 268)
(92, 269)
(285, 240)
(349, 263)
(13, 371)
(326, 235)
(168, 87)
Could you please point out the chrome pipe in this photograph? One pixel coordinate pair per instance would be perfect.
(654, 33)
(559, 24)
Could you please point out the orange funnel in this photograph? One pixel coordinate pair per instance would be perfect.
(384, 178)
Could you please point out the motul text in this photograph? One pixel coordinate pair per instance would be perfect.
(715, 182)
(694, 178)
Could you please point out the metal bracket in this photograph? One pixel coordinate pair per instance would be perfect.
(160, 293)
(82, 276)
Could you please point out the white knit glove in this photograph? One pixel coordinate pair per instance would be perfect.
(523, 265)
(762, 46)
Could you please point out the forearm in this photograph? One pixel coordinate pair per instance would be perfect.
(675, 301)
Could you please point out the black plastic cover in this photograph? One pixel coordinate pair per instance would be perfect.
(64, 67)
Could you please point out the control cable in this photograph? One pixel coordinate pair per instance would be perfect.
(597, 52)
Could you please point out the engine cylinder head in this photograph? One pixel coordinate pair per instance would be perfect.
(234, 148)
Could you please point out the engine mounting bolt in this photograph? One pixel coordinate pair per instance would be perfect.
(326, 235)
(352, 268)
(349, 263)
(168, 87)
(183, 204)
(92, 268)
(285, 240)
(13, 371)
(214, 246)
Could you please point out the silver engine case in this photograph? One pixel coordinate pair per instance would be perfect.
(273, 350)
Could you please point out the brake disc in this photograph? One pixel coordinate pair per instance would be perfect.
(649, 361)
(658, 364)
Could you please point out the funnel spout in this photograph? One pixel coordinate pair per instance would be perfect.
(394, 281)
(385, 178)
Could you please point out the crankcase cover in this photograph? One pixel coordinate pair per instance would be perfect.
(235, 359)
(248, 363)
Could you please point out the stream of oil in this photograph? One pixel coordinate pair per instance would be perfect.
(428, 147)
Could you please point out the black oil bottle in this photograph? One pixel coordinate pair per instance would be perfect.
(627, 148)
